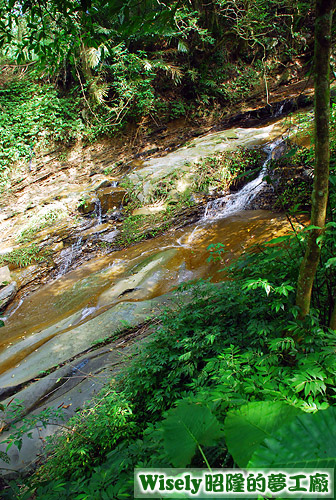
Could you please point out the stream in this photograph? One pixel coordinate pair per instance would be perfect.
(62, 318)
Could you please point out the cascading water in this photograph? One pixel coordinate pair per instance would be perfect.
(69, 255)
(232, 203)
(98, 210)
(280, 109)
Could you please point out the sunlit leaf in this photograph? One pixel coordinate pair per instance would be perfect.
(307, 441)
(185, 428)
(245, 429)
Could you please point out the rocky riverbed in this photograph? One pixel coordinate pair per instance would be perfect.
(91, 247)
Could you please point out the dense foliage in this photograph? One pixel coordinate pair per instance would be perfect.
(205, 359)
(33, 114)
(113, 63)
(228, 352)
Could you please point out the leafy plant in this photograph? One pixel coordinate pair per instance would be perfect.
(247, 427)
(24, 256)
(307, 441)
(45, 218)
(187, 428)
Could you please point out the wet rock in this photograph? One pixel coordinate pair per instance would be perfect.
(26, 275)
(69, 387)
(111, 198)
(99, 182)
(5, 277)
(150, 209)
(87, 205)
(7, 294)
(97, 229)
(61, 348)
(197, 198)
(96, 171)
(279, 150)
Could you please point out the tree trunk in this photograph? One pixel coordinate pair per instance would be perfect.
(332, 323)
(324, 11)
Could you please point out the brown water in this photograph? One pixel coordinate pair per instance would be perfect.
(147, 269)
(144, 271)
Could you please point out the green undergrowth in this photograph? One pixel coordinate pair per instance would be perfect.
(225, 347)
(41, 220)
(136, 228)
(22, 257)
(216, 173)
(227, 170)
(292, 174)
(292, 179)
(33, 114)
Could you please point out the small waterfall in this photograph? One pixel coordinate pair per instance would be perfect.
(187, 238)
(98, 210)
(12, 309)
(280, 110)
(215, 206)
(69, 255)
(232, 203)
(114, 184)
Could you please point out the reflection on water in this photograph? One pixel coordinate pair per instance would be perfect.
(144, 271)
(149, 268)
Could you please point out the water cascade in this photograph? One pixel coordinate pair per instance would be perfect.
(232, 203)
(69, 255)
(98, 210)
(36, 335)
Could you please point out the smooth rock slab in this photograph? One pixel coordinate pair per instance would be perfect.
(68, 389)
(70, 343)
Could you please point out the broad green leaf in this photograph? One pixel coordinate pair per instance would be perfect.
(187, 427)
(245, 429)
(279, 239)
(312, 227)
(307, 441)
(290, 153)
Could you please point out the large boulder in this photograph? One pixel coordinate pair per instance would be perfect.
(111, 198)
(7, 294)
(108, 198)
(87, 204)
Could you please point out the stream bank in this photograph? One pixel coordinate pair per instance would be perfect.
(88, 302)
(52, 222)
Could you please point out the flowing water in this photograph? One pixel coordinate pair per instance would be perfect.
(98, 210)
(148, 269)
(232, 203)
(69, 255)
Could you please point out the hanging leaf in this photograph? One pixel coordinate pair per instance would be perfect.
(245, 429)
(186, 428)
(307, 441)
